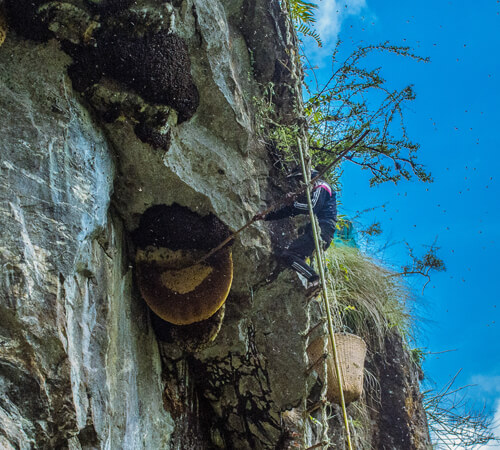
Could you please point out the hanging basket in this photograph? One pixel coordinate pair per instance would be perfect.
(351, 351)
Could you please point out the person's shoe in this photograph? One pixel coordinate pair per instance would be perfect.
(300, 266)
(313, 288)
(314, 279)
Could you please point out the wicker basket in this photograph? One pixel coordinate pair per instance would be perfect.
(351, 350)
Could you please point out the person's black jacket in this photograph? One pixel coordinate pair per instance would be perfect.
(323, 200)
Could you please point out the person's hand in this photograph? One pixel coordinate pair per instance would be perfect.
(258, 216)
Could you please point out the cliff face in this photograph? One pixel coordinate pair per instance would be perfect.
(110, 108)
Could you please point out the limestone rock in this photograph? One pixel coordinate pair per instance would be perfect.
(79, 364)
(109, 108)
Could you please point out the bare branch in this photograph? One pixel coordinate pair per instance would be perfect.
(453, 423)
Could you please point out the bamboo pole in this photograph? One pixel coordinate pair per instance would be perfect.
(319, 252)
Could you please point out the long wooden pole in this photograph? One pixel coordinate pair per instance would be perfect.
(280, 203)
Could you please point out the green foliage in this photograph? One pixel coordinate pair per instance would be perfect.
(302, 15)
(282, 138)
(425, 265)
(265, 109)
(417, 356)
(373, 230)
(307, 31)
(368, 300)
(358, 98)
(355, 99)
(302, 11)
(429, 261)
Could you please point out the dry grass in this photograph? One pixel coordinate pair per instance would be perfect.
(367, 299)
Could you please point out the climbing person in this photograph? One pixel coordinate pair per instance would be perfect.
(324, 205)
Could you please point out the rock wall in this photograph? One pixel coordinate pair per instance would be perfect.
(79, 362)
(109, 108)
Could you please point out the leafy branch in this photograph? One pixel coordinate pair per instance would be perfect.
(302, 15)
(355, 97)
(424, 265)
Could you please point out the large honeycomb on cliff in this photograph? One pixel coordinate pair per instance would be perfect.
(183, 295)
(170, 241)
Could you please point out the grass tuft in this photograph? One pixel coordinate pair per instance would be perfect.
(368, 300)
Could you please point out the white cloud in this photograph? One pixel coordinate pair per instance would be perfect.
(485, 392)
(328, 20)
(331, 14)
(495, 428)
(488, 384)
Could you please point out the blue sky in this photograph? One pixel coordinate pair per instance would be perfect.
(455, 119)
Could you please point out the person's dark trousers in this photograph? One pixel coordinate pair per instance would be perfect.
(303, 247)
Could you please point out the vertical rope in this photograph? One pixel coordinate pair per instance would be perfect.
(320, 257)
(324, 406)
(304, 408)
(319, 250)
